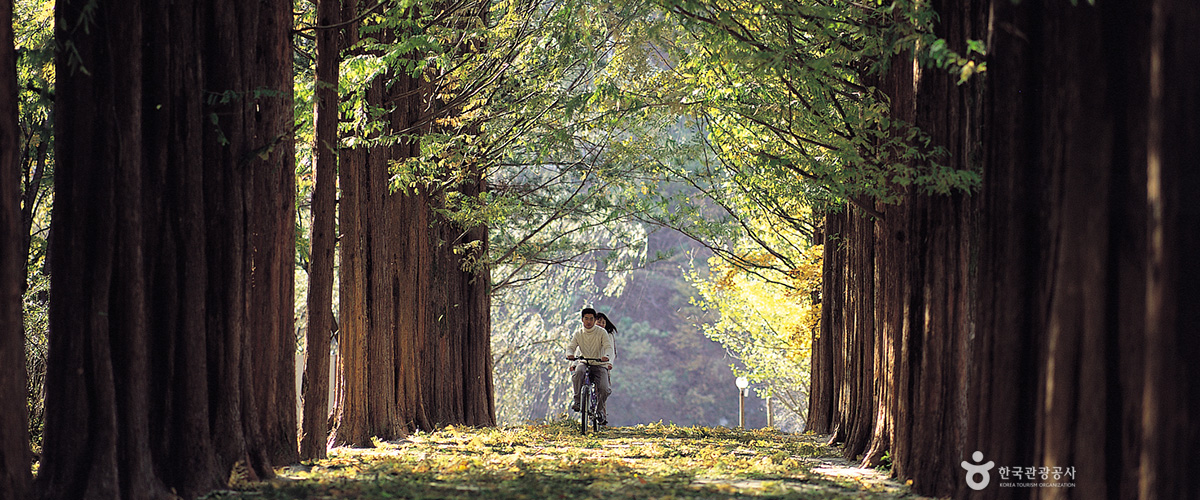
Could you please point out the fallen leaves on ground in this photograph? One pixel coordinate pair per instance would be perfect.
(552, 460)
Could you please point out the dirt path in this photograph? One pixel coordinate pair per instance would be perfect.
(553, 461)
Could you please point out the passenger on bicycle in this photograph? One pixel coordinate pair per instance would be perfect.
(592, 342)
(608, 325)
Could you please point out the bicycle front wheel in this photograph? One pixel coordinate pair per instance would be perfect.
(585, 397)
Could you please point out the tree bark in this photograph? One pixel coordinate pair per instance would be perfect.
(176, 260)
(380, 228)
(1047, 321)
(857, 389)
(160, 246)
(376, 222)
(272, 237)
(251, 138)
(14, 431)
(96, 443)
(822, 397)
(320, 273)
(350, 421)
(1171, 398)
(936, 238)
(443, 342)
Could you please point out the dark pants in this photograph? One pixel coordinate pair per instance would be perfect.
(599, 380)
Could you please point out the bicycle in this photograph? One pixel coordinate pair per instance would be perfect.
(588, 400)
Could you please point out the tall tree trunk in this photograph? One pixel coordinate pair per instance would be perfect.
(369, 203)
(244, 55)
(272, 239)
(892, 283)
(855, 411)
(96, 441)
(1058, 333)
(475, 299)
(380, 227)
(350, 426)
(414, 255)
(822, 396)
(176, 260)
(153, 244)
(935, 237)
(1171, 398)
(443, 343)
(350, 419)
(320, 273)
(14, 431)
(1059, 355)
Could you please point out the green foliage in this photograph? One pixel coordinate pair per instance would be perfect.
(551, 460)
(33, 24)
(36, 311)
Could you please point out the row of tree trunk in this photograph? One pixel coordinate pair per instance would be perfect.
(1048, 319)
(172, 337)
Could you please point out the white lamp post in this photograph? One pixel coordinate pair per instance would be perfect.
(742, 384)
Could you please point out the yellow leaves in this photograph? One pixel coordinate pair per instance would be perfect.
(239, 475)
(458, 466)
(551, 460)
(969, 69)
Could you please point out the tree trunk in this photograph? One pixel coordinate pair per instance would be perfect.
(936, 237)
(272, 233)
(14, 431)
(320, 273)
(96, 441)
(380, 227)
(1046, 321)
(349, 419)
(443, 344)
(855, 411)
(479, 406)
(1171, 398)
(252, 139)
(376, 222)
(176, 260)
(414, 252)
(822, 397)
(350, 409)
(1059, 356)
(156, 225)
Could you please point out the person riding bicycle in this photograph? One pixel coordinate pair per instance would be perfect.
(592, 342)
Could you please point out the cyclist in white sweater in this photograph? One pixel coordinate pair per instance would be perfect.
(592, 342)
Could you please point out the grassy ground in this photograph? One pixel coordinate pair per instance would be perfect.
(552, 460)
